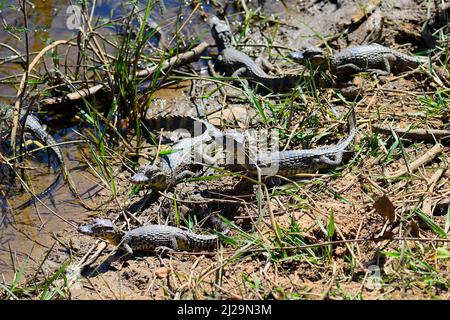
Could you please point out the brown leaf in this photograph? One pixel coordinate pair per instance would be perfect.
(161, 272)
(414, 229)
(386, 235)
(384, 207)
(441, 207)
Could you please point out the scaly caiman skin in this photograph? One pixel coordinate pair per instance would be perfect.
(237, 64)
(32, 125)
(180, 163)
(288, 163)
(373, 58)
(175, 167)
(174, 122)
(149, 237)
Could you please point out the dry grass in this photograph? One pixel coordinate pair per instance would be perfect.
(323, 237)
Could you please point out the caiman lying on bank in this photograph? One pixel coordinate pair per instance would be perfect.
(238, 64)
(180, 163)
(373, 58)
(149, 238)
(288, 163)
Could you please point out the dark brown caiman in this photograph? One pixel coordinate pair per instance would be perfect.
(33, 126)
(239, 65)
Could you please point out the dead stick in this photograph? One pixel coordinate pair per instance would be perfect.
(173, 62)
(22, 87)
(426, 206)
(75, 95)
(272, 217)
(176, 61)
(416, 134)
(422, 160)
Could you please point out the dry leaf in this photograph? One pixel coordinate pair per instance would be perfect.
(384, 207)
(441, 207)
(161, 272)
(414, 229)
(386, 235)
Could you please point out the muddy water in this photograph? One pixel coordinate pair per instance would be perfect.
(26, 234)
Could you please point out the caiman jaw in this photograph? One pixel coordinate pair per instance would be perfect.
(87, 230)
(151, 177)
(103, 229)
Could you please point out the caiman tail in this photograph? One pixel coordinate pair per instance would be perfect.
(175, 122)
(282, 84)
(32, 124)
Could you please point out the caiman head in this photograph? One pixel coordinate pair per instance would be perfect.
(220, 32)
(103, 229)
(318, 57)
(152, 176)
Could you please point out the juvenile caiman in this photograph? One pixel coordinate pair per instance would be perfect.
(149, 237)
(288, 163)
(238, 64)
(373, 58)
(178, 165)
(33, 126)
(184, 159)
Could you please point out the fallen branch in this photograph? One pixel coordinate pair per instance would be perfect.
(15, 57)
(75, 95)
(422, 160)
(173, 62)
(427, 202)
(416, 134)
(176, 61)
(22, 87)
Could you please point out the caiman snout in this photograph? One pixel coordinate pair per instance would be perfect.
(84, 230)
(139, 177)
(298, 55)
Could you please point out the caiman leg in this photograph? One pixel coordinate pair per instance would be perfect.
(173, 246)
(202, 152)
(378, 72)
(337, 159)
(388, 60)
(385, 69)
(118, 264)
(348, 68)
(238, 73)
(386, 66)
(185, 174)
(351, 68)
(264, 64)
